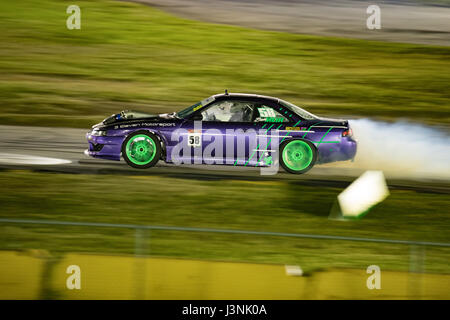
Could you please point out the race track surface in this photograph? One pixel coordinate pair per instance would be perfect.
(408, 21)
(62, 150)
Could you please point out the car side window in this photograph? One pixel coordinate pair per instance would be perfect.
(229, 111)
(268, 114)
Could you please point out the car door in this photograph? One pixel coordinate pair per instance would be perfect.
(236, 131)
(228, 131)
(271, 121)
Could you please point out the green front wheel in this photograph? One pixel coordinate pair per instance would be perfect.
(297, 156)
(141, 149)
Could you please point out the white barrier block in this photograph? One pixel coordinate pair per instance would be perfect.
(365, 192)
(294, 271)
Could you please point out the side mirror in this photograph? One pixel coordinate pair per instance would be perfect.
(197, 117)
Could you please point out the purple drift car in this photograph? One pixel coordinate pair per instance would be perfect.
(230, 129)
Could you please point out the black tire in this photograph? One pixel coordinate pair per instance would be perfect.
(147, 140)
(309, 156)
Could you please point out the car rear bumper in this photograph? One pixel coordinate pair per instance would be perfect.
(343, 151)
(349, 148)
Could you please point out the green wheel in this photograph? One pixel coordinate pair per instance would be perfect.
(141, 149)
(297, 156)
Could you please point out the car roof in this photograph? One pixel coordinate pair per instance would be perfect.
(244, 95)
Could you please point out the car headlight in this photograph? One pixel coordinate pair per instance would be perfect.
(98, 133)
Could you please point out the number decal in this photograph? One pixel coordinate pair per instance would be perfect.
(195, 139)
(266, 112)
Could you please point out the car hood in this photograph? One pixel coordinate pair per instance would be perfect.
(127, 115)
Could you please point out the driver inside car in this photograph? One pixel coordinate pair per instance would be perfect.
(219, 112)
(229, 111)
(241, 113)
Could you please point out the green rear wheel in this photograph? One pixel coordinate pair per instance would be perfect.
(298, 156)
(141, 149)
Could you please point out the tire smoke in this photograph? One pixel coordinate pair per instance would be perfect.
(402, 149)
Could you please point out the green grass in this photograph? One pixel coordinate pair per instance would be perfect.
(227, 204)
(133, 56)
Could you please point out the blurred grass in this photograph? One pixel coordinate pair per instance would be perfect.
(133, 56)
(228, 204)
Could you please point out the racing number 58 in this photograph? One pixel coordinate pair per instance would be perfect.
(194, 140)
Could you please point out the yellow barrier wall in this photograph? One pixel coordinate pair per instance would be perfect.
(20, 275)
(127, 277)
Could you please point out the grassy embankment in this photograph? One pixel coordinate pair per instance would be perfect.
(133, 56)
(228, 204)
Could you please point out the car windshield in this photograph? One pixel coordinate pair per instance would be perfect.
(302, 113)
(188, 111)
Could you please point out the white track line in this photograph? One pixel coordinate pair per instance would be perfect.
(8, 158)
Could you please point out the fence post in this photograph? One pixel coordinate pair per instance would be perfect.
(416, 269)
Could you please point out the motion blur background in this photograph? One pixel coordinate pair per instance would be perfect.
(160, 56)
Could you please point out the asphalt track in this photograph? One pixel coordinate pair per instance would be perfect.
(409, 21)
(30, 148)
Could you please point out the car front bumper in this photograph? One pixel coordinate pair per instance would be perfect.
(104, 147)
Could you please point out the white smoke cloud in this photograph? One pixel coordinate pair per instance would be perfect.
(402, 149)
